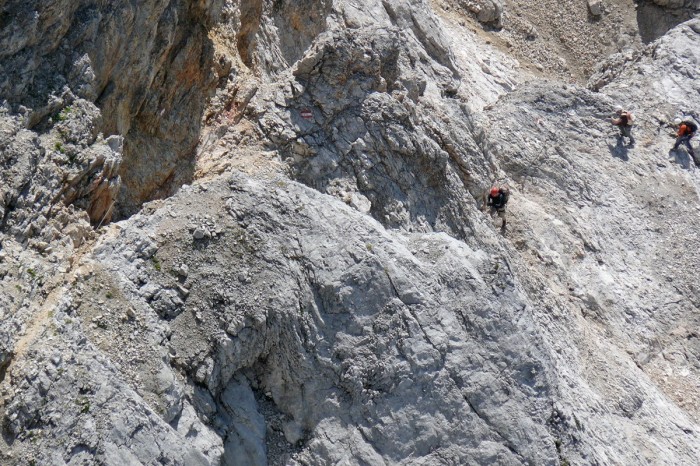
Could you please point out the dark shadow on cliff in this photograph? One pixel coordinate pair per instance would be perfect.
(147, 66)
(160, 145)
(680, 157)
(619, 150)
(654, 21)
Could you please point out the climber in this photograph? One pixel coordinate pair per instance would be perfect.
(624, 122)
(496, 199)
(686, 130)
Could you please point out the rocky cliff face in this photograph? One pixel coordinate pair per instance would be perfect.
(74, 73)
(320, 286)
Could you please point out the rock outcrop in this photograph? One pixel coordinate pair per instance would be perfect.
(327, 290)
(74, 70)
(657, 17)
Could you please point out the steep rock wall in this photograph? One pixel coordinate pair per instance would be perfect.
(141, 73)
(656, 17)
(369, 114)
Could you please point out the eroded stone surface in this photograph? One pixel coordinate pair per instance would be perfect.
(328, 291)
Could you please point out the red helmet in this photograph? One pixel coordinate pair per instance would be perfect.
(495, 191)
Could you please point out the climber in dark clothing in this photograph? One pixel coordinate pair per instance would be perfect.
(686, 131)
(496, 200)
(624, 122)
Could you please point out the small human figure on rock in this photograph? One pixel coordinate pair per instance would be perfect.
(686, 131)
(495, 200)
(624, 121)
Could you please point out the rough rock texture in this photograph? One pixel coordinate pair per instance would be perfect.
(657, 17)
(486, 11)
(568, 40)
(147, 68)
(338, 339)
(379, 139)
(328, 291)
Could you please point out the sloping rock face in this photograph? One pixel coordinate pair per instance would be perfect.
(351, 344)
(370, 114)
(349, 303)
(612, 222)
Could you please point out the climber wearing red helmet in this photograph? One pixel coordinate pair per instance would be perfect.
(496, 199)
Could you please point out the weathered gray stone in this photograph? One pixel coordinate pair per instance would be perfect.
(200, 233)
(245, 440)
(352, 305)
(595, 7)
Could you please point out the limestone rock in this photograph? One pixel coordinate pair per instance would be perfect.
(329, 290)
(134, 63)
(489, 12)
(595, 7)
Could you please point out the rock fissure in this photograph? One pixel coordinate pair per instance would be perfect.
(492, 427)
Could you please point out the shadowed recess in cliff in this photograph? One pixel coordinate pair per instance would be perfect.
(298, 24)
(159, 146)
(273, 35)
(73, 70)
(251, 12)
(654, 21)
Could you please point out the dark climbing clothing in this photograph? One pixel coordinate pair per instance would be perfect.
(685, 133)
(626, 132)
(685, 140)
(498, 201)
(687, 128)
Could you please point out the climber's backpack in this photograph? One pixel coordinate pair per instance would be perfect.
(505, 190)
(630, 118)
(691, 126)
